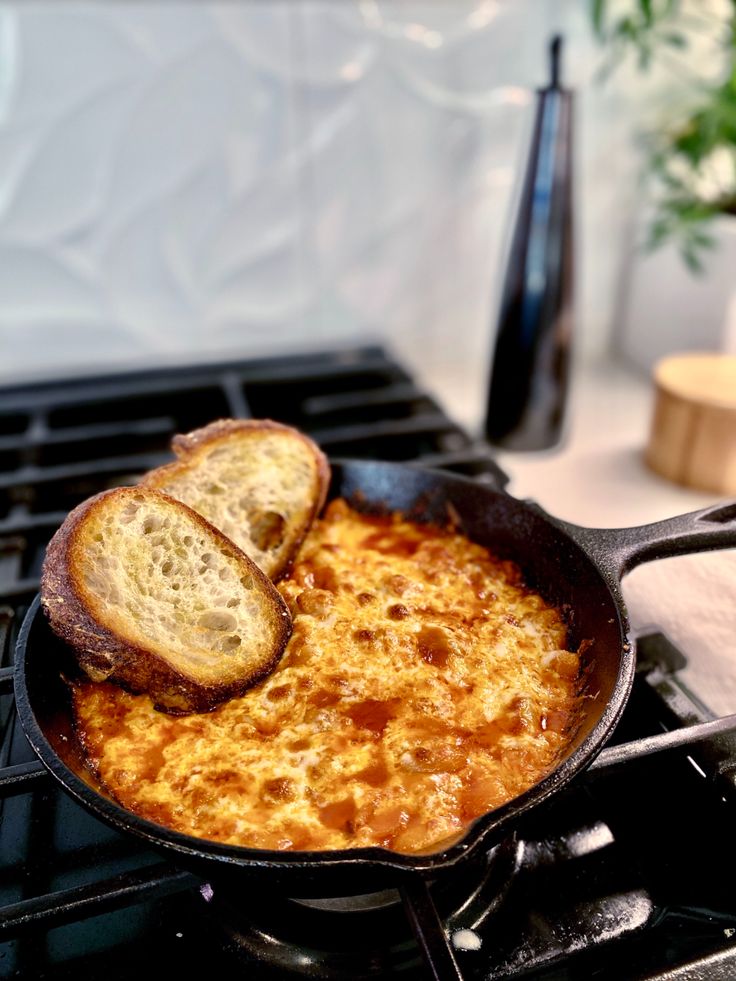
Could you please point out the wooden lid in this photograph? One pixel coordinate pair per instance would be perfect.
(703, 378)
(692, 440)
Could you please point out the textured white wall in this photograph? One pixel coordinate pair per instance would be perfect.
(179, 180)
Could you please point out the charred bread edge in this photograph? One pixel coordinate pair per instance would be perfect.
(103, 653)
(186, 446)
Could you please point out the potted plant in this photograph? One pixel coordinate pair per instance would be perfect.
(682, 294)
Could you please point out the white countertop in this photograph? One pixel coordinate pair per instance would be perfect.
(598, 478)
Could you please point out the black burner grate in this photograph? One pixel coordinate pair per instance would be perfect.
(626, 875)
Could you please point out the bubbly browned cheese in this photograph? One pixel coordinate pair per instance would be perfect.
(423, 685)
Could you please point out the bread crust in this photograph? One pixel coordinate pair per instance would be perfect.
(105, 655)
(188, 447)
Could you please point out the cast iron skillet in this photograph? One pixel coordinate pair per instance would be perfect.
(577, 568)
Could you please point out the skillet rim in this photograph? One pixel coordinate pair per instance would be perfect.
(483, 831)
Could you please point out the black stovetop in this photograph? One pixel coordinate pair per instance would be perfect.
(626, 875)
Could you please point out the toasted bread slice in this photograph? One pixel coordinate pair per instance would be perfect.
(261, 483)
(150, 595)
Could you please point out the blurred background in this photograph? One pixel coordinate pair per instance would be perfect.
(196, 180)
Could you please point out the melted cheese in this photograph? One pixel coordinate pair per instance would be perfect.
(423, 685)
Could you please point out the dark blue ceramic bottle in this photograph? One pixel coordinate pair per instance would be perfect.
(531, 357)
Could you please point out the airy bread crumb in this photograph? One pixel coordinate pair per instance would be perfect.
(260, 482)
(150, 595)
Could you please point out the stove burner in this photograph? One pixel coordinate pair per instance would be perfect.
(532, 903)
(360, 937)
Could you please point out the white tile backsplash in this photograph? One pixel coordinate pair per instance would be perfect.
(182, 179)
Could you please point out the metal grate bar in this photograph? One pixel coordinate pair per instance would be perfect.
(122, 464)
(301, 370)
(429, 931)
(22, 589)
(21, 778)
(20, 523)
(306, 367)
(664, 741)
(6, 681)
(89, 432)
(53, 909)
(434, 422)
(239, 408)
(347, 401)
(52, 395)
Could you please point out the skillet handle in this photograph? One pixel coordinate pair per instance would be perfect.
(621, 549)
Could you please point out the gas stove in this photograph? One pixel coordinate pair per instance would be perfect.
(625, 875)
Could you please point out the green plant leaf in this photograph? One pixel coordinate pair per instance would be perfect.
(597, 13)
(675, 40)
(686, 158)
